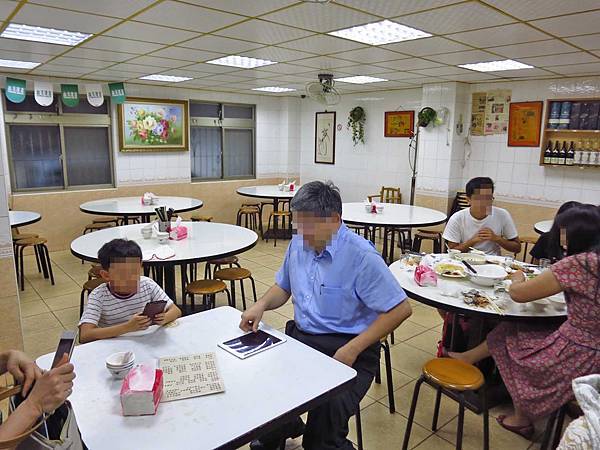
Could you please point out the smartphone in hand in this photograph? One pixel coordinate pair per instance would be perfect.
(65, 345)
(153, 308)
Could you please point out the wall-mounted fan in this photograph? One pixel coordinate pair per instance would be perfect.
(322, 91)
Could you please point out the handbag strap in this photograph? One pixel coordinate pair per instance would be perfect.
(7, 392)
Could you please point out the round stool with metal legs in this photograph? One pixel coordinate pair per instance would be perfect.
(236, 274)
(42, 258)
(208, 289)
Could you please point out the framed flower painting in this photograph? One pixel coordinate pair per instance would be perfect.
(150, 125)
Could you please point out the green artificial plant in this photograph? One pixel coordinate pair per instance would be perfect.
(356, 121)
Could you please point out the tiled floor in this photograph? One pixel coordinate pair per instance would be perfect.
(48, 310)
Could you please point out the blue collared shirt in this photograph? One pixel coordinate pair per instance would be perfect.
(341, 290)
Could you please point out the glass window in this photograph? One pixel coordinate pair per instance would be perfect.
(30, 105)
(238, 111)
(238, 154)
(205, 143)
(88, 158)
(204, 109)
(36, 156)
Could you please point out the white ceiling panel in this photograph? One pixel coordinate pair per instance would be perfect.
(185, 54)
(29, 46)
(542, 48)
(281, 68)
(535, 72)
(115, 73)
(322, 44)
(200, 82)
(277, 54)
(73, 70)
(441, 71)
(362, 69)
(220, 44)
(141, 68)
(53, 73)
(398, 75)
(79, 62)
(61, 19)
(150, 33)
(229, 78)
(409, 64)
(470, 77)
(120, 45)
(370, 55)
(456, 18)
(324, 62)
(573, 69)
(395, 8)
(536, 9)
(428, 46)
(320, 17)
(185, 72)
(245, 7)
(472, 56)
(504, 35)
(263, 32)
(6, 8)
(23, 56)
(189, 17)
(211, 68)
(161, 62)
(100, 55)
(105, 77)
(588, 42)
(559, 60)
(114, 8)
(564, 26)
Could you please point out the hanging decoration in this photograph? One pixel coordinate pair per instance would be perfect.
(356, 121)
(94, 94)
(43, 92)
(15, 89)
(69, 94)
(117, 93)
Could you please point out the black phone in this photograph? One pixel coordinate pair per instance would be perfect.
(65, 345)
(153, 308)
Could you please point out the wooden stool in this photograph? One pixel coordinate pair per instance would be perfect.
(41, 254)
(434, 236)
(88, 287)
(108, 220)
(276, 215)
(447, 374)
(94, 271)
(385, 346)
(208, 289)
(236, 274)
(227, 261)
(95, 227)
(250, 215)
(527, 240)
(17, 236)
(202, 218)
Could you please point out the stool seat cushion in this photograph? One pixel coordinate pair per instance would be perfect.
(97, 226)
(233, 274)
(205, 287)
(453, 374)
(281, 213)
(92, 284)
(249, 210)
(21, 236)
(223, 261)
(428, 234)
(94, 271)
(31, 241)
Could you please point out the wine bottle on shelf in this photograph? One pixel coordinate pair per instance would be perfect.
(587, 150)
(562, 158)
(571, 154)
(579, 153)
(556, 152)
(554, 118)
(565, 116)
(548, 153)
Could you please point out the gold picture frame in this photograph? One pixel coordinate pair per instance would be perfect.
(153, 125)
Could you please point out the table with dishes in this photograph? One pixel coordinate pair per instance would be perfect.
(128, 207)
(22, 218)
(204, 241)
(257, 396)
(543, 226)
(276, 193)
(390, 216)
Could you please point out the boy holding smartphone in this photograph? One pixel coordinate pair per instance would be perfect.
(116, 308)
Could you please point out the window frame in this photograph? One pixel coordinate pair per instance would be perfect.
(62, 120)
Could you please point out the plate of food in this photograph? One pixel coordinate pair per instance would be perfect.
(479, 299)
(450, 270)
(410, 261)
(527, 269)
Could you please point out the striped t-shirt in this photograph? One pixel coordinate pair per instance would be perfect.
(104, 309)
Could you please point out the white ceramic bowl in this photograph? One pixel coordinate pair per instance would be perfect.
(120, 373)
(487, 275)
(116, 359)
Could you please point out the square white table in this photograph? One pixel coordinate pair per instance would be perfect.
(261, 392)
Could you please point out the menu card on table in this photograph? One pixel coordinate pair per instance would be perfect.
(190, 376)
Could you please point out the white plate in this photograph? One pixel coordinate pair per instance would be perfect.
(151, 329)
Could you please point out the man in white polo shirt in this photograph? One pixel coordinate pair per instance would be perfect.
(482, 226)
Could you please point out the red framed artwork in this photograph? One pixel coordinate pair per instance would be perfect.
(399, 123)
(524, 124)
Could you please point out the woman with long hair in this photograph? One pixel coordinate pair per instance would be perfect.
(538, 362)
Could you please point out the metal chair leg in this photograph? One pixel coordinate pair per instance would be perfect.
(253, 286)
(411, 415)
(22, 270)
(550, 424)
(486, 418)
(49, 264)
(388, 374)
(228, 297)
(81, 302)
(37, 258)
(461, 422)
(559, 426)
(243, 294)
(359, 429)
(436, 409)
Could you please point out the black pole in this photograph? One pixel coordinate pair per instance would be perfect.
(413, 182)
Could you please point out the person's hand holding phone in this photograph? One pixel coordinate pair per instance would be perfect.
(159, 319)
(24, 370)
(137, 323)
(52, 388)
(251, 318)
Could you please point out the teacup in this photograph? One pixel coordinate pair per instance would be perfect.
(163, 237)
(146, 232)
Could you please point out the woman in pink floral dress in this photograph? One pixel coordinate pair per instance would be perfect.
(538, 362)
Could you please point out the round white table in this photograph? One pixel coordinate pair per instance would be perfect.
(22, 218)
(206, 240)
(133, 207)
(393, 216)
(543, 226)
(270, 192)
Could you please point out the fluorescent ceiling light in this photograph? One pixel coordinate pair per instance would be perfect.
(241, 61)
(41, 34)
(273, 89)
(379, 33)
(18, 64)
(494, 66)
(361, 79)
(168, 78)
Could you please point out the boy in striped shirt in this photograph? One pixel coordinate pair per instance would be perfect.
(115, 308)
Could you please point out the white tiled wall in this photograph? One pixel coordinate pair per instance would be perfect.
(360, 170)
(516, 170)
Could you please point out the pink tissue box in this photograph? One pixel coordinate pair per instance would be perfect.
(141, 402)
(178, 233)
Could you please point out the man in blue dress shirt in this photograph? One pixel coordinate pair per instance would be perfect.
(345, 300)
